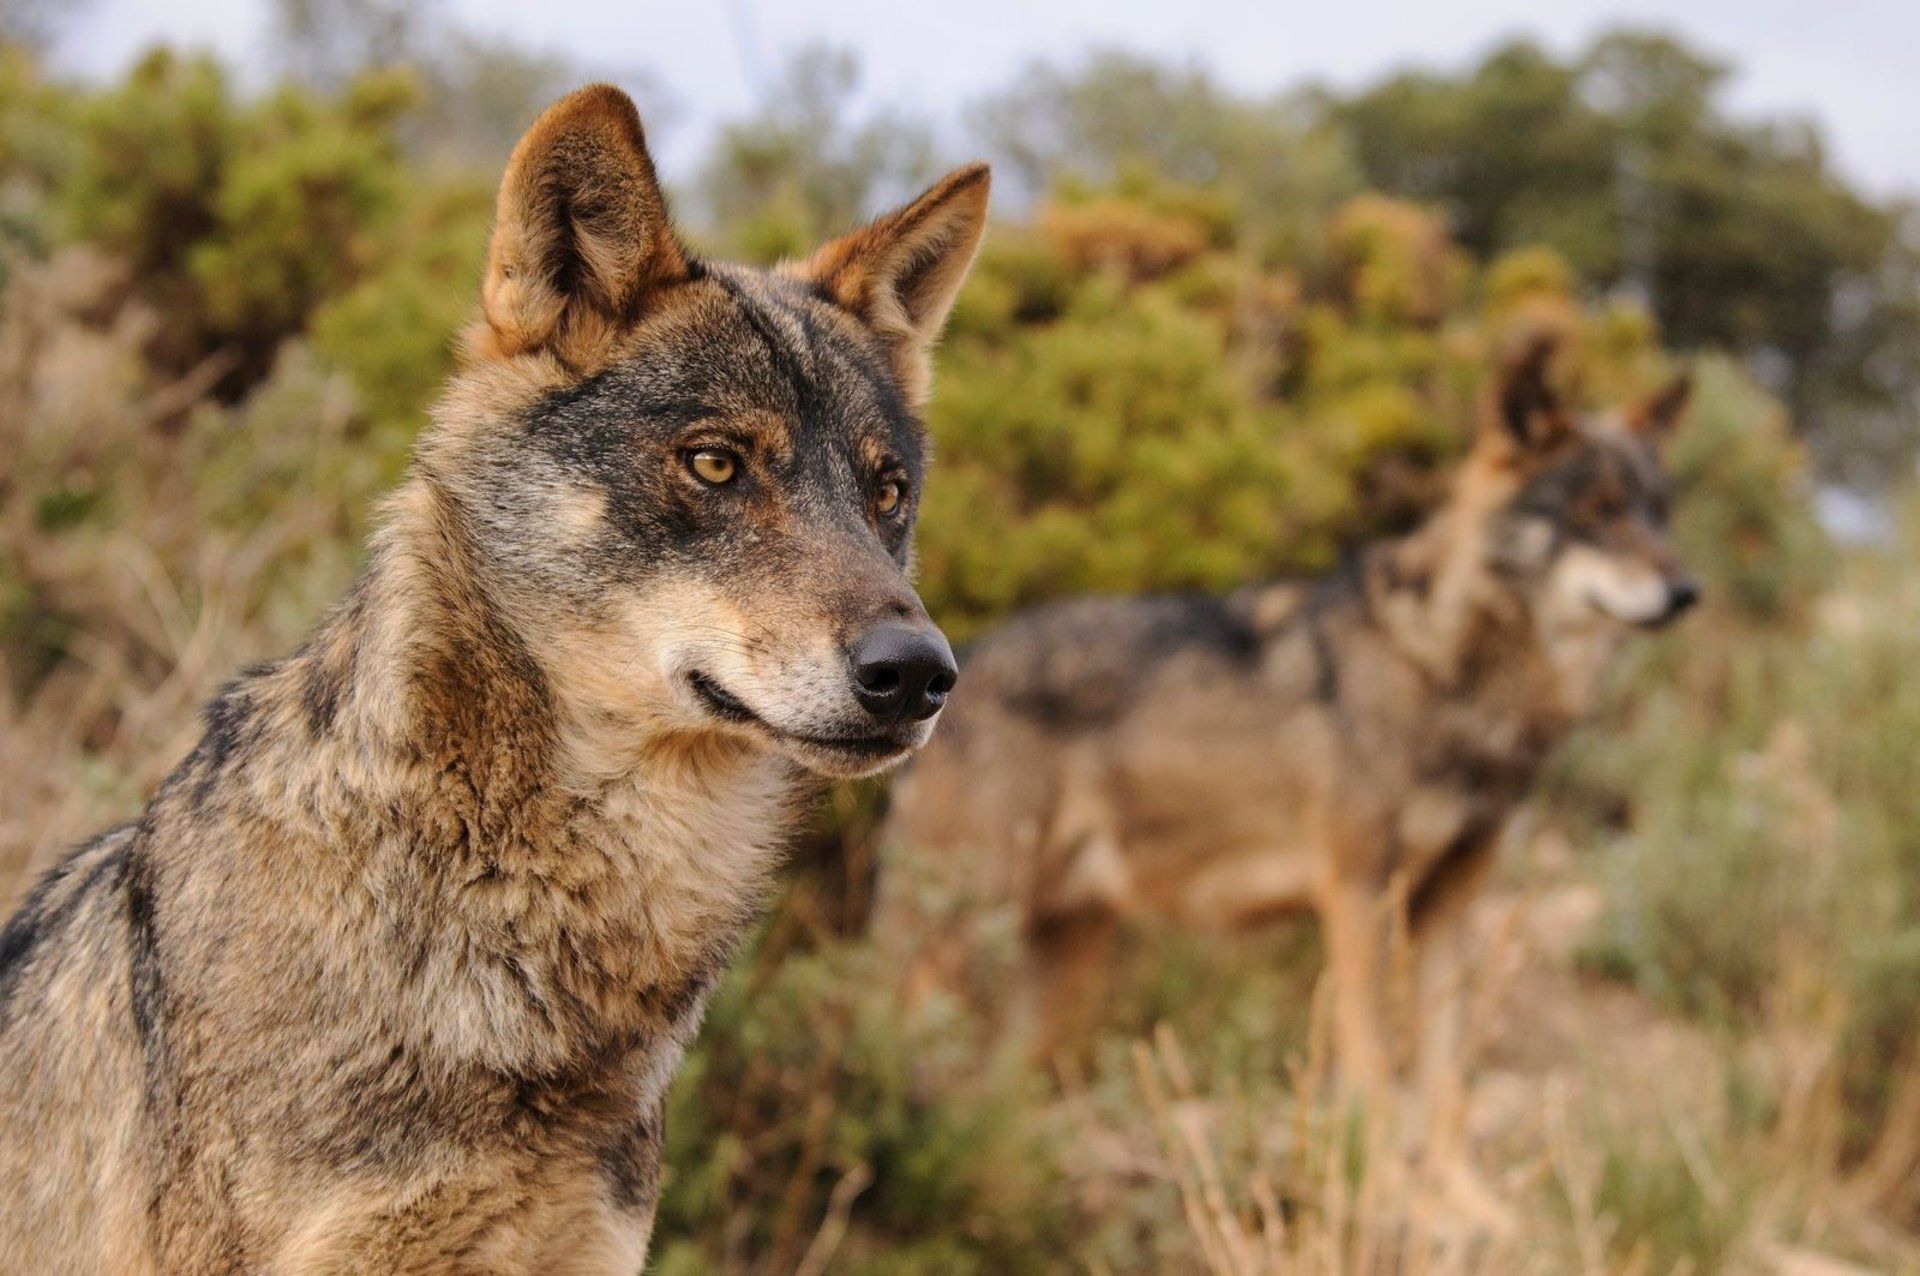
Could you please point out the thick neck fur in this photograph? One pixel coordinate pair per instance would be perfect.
(1470, 629)
(552, 908)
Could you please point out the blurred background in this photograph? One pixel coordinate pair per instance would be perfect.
(1248, 269)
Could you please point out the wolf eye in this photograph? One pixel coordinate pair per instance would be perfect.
(1602, 507)
(713, 466)
(888, 499)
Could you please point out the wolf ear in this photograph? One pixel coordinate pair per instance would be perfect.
(580, 233)
(900, 274)
(1655, 416)
(1525, 409)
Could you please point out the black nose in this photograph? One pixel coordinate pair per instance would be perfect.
(1681, 595)
(903, 671)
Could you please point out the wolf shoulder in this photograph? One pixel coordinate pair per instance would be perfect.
(69, 1111)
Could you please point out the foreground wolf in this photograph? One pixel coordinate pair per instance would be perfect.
(1351, 745)
(394, 971)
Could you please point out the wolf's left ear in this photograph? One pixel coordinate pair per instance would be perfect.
(900, 274)
(1655, 416)
(580, 234)
(1525, 409)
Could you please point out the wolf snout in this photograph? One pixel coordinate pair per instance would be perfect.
(1683, 592)
(902, 671)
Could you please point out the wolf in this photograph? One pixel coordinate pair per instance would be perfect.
(394, 970)
(1352, 746)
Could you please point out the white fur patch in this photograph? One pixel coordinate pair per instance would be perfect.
(1098, 875)
(1626, 590)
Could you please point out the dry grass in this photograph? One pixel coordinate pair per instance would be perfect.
(1603, 1126)
(131, 584)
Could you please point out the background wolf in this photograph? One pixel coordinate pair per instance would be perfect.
(1353, 744)
(394, 970)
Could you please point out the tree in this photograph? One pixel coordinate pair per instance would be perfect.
(1738, 236)
(804, 165)
(1119, 117)
(477, 92)
(328, 42)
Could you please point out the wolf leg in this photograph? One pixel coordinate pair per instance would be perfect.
(1439, 1090)
(1436, 1110)
(1069, 961)
(1353, 922)
(1438, 931)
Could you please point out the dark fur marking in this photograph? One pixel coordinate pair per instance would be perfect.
(590, 427)
(1348, 584)
(1205, 621)
(1156, 630)
(145, 979)
(1619, 475)
(631, 1160)
(328, 674)
(320, 694)
(1326, 669)
(40, 918)
(230, 733)
(395, 1114)
(674, 1002)
(1064, 708)
(873, 372)
(29, 927)
(1461, 856)
(818, 290)
(808, 403)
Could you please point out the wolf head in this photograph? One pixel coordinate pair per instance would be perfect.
(1580, 526)
(693, 486)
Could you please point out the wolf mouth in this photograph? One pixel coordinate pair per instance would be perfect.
(1652, 624)
(724, 704)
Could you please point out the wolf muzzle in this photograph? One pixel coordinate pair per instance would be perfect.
(1683, 594)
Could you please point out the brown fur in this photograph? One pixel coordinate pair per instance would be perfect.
(902, 273)
(1351, 746)
(393, 973)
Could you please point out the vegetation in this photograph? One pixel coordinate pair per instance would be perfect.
(1226, 337)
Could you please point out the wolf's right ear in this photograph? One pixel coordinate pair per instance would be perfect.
(1524, 409)
(580, 233)
(900, 274)
(1656, 416)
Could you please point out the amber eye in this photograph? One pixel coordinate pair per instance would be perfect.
(888, 499)
(713, 466)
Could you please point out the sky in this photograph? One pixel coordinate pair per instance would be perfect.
(1852, 65)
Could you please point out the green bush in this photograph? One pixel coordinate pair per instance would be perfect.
(1768, 870)
(236, 217)
(809, 1070)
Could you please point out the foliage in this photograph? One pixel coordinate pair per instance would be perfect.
(811, 1077)
(1126, 404)
(477, 91)
(235, 218)
(1622, 158)
(802, 167)
(1739, 237)
(1772, 852)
